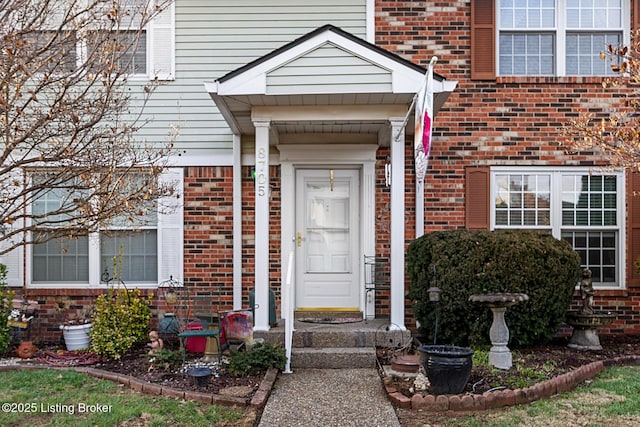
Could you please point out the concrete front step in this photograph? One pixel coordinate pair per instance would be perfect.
(348, 345)
(333, 357)
(363, 334)
(327, 337)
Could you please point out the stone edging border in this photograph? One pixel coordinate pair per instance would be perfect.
(502, 398)
(258, 400)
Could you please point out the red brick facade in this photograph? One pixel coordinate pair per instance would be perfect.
(501, 121)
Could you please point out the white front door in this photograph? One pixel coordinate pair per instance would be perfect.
(327, 236)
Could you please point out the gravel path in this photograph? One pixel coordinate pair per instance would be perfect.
(329, 398)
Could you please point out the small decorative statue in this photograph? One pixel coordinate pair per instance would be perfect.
(586, 292)
(156, 342)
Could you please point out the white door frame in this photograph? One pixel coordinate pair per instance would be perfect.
(358, 156)
(332, 283)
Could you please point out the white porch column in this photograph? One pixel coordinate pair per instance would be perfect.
(397, 145)
(262, 227)
(419, 207)
(237, 223)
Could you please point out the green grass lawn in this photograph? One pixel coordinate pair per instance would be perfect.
(610, 399)
(67, 398)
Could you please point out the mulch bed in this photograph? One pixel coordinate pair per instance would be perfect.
(540, 363)
(137, 364)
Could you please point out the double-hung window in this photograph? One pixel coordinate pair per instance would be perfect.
(129, 249)
(559, 37)
(578, 205)
(141, 251)
(58, 259)
(52, 52)
(66, 44)
(122, 48)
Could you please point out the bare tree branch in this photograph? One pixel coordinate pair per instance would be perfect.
(70, 117)
(617, 135)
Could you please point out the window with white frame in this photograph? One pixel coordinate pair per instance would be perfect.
(123, 50)
(127, 51)
(57, 259)
(130, 250)
(63, 41)
(64, 45)
(141, 252)
(582, 206)
(52, 51)
(559, 37)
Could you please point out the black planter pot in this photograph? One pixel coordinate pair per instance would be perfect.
(448, 367)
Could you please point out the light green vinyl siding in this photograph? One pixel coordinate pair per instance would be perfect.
(325, 69)
(215, 37)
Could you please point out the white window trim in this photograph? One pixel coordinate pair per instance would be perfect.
(160, 47)
(556, 213)
(170, 253)
(560, 32)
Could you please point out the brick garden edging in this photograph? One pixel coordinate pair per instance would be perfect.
(502, 398)
(258, 400)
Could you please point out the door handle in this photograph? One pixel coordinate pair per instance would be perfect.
(299, 239)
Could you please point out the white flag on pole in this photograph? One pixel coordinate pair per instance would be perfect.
(423, 123)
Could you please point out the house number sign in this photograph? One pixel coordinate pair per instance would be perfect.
(261, 172)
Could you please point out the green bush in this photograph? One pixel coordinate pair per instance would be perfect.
(165, 359)
(477, 262)
(257, 359)
(121, 320)
(6, 297)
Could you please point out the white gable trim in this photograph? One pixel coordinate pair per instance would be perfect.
(254, 80)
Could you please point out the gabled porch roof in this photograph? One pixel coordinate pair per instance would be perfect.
(327, 81)
(326, 86)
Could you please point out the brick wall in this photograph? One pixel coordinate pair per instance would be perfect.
(507, 121)
(208, 234)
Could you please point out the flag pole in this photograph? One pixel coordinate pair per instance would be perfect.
(433, 61)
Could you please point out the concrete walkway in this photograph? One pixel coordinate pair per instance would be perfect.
(329, 398)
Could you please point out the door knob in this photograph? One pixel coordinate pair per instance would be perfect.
(299, 239)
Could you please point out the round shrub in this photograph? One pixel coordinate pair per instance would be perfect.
(121, 319)
(463, 263)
